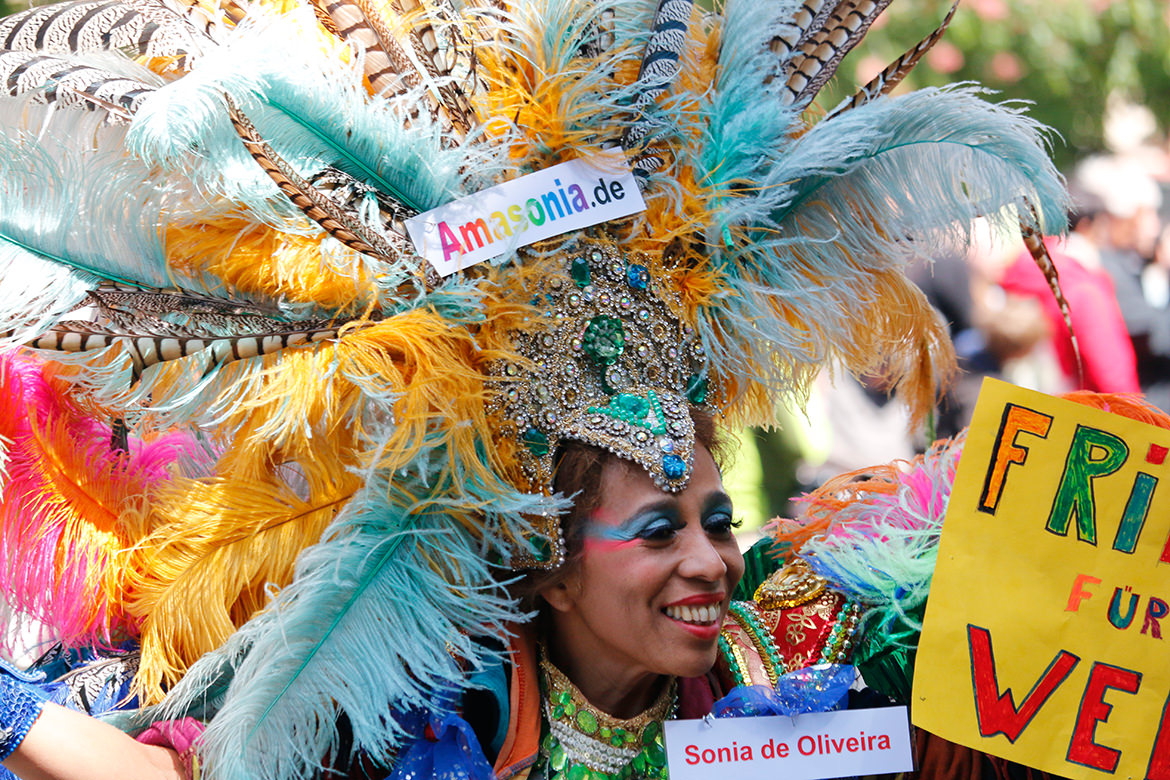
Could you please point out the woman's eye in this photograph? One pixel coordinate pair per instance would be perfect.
(660, 530)
(720, 523)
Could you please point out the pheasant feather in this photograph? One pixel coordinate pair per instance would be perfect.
(890, 77)
(313, 112)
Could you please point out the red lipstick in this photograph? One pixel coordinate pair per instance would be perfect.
(699, 600)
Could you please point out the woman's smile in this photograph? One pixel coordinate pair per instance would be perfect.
(701, 615)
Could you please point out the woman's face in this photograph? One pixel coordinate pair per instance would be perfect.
(658, 569)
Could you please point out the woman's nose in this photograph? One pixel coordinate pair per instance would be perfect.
(701, 558)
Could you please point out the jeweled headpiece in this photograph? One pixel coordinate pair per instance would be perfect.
(204, 234)
(610, 364)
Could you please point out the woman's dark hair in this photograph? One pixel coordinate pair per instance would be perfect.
(578, 474)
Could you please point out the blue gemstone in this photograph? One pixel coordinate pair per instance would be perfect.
(637, 276)
(673, 466)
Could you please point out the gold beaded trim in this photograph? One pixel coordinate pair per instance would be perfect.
(751, 625)
(733, 653)
(569, 706)
(791, 586)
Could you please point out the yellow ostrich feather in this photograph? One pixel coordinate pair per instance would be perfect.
(545, 114)
(218, 545)
(902, 339)
(258, 259)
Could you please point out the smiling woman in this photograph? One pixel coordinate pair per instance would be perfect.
(631, 626)
(285, 491)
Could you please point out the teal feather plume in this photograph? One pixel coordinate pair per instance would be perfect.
(928, 162)
(66, 219)
(311, 108)
(64, 198)
(744, 123)
(310, 656)
(36, 294)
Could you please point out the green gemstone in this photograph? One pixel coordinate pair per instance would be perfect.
(617, 740)
(558, 712)
(570, 708)
(579, 270)
(579, 772)
(638, 764)
(541, 549)
(655, 755)
(630, 406)
(697, 386)
(536, 442)
(651, 732)
(587, 721)
(604, 339)
(564, 697)
(556, 757)
(605, 733)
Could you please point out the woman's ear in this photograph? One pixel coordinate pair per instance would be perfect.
(561, 594)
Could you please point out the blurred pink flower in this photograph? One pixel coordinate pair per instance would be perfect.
(1006, 67)
(945, 57)
(868, 67)
(993, 10)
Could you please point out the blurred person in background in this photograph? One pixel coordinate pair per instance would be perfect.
(1107, 359)
(1134, 245)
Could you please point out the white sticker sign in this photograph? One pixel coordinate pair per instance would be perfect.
(804, 747)
(566, 197)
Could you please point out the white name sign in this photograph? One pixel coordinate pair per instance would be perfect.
(804, 747)
(566, 197)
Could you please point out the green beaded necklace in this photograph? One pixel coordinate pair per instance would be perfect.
(583, 743)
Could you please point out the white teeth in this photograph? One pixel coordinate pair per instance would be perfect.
(699, 615)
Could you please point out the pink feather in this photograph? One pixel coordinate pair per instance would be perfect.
(64, 493)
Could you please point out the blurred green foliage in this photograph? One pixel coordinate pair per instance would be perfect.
(1065, 56)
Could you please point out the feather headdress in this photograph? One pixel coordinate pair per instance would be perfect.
(203, 213)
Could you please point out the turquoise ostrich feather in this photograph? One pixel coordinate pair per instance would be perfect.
(928, 162)
(313, 111)
(383, 612)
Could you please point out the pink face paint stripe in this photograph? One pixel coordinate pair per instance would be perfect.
(596, 545)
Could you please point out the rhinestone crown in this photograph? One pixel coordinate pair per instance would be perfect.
(613, 366)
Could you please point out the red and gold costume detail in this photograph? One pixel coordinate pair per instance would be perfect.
(809, 621)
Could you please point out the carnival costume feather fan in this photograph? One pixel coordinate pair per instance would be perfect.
(202, 228)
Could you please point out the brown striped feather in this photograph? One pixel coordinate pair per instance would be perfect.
(892, 76)
(113, 109)
(386, 65)
(1035, 244)
(324, 19)
(345, 227)
(148, 349)
(818, 57)
(808, 18)
(233, 11)
(171, 12)
(425, 44)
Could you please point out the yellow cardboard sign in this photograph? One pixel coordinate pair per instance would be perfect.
(1046, 633)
